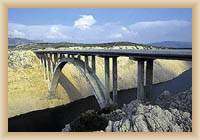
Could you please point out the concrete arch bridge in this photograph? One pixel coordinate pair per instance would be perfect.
(54, 60)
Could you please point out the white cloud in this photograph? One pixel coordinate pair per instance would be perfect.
(56, 33)
(153, 31)
(16, 33)
(117, 35)
(124, 29)
(160, 24)
(147, 31)
(85, 22)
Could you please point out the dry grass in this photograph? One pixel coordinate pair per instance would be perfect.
(28, 91)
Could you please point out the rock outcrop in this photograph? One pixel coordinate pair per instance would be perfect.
(181, 101)
(171, 114)
(21, 59)
(150, 118)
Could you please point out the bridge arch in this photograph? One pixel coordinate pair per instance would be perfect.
(99, 90)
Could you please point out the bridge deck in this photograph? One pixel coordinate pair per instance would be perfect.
(179, 54)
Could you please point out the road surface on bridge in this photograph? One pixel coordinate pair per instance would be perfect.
(178, 54)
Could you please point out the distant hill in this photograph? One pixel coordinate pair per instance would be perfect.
(172, 44)
(13, 42)
(56, 45)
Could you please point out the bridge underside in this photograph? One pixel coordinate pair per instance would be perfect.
(54, 62)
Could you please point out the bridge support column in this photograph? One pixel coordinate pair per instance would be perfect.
(51, 63)
(48, 67)
(44, 66)
(58, 56)
(149, 79)
(40, 58)
(140, 80)
(114, 68)
(55, 59)
(93, 64)
(86, 63)
(107, 75)
(62, 56)
(79, 57)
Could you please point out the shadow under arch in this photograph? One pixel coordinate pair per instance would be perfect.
(99, 90)
(72, 92)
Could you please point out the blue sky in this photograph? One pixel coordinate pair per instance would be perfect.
(93, 25)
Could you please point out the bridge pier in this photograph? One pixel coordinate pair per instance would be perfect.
(40, 58)
(42, 62)
(114, 72)
(149, 79)
(79, 56)
(55, 59)
(49, 66)
(86, 63)
(107, 75)
(93, 64)
(144, 91)
(51, 63)
(140, 80)
(46, 66)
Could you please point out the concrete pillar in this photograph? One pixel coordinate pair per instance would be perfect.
(40, 57)
(114, 72)
(59, 56)
(55, 59)
(44, 66)
(86, 63)
(49, 66)
(51, 63)
(107, 75)
(140, 80)
(62, 55)
(93, 64)
(79, 56)
(149, 78)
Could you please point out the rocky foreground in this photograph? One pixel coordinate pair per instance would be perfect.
(169, 113)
